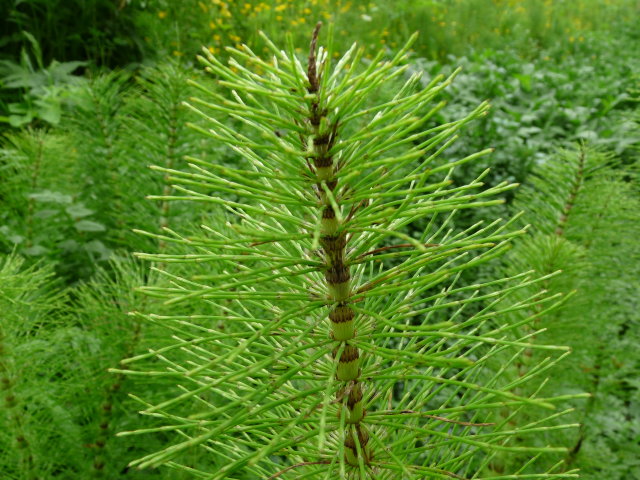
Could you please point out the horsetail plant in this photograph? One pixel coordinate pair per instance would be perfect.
(323, 336)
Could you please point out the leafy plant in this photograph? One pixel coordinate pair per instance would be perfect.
(321, 340)
(100, 31)
(41, 91)
(538, 106)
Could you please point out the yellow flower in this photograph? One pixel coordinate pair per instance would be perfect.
(279, 18)
(162, 14)
(234, 38)
(307, 11)
(212, 24)
(280, 8)
(177, 53)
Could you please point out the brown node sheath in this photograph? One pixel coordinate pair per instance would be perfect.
(349, 354)
(331, 184)
(337, 274)
(322, 161)
(328, 212)
(355, 395)
(332, 243)
(342, 314)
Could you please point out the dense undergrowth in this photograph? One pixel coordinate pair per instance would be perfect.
(74, 174)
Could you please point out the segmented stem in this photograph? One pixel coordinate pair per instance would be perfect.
(577, 183)
(337, 275)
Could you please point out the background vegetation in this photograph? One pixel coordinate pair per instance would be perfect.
(91, 95)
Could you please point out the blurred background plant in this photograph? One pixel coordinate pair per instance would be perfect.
(32, 93)
(585, 222)
(448, 27)
(102, 31)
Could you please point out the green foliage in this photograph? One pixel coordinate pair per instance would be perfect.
(453, 27)
(101, 31)
(539, 105)
(155, 127)
(100, 312)
(585, 220)
(56, 393)
(74, 194)
(74, 174)
(40, 91)
(33, 413)
(325, 352)
(97, 129)
(448, 27)
(41, 214)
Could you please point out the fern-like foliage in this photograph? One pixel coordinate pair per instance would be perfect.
(33, 413)
(585, 220)
(98, 131)
(156, 121)
(321, 341)
(101, 311)
(60, 406)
